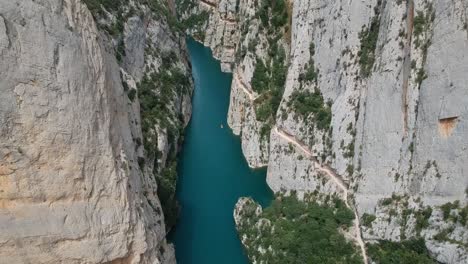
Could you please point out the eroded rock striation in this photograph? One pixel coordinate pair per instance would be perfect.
(79, 172)
(375, 90)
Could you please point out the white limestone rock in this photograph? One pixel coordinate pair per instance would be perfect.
(392, 133)
(71, 188)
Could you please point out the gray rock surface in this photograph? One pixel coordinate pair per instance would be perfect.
(71, 188)
(398, 135)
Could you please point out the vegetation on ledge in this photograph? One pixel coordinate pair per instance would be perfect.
(405, 252)
(269, 75)
(193, 22)
(273, 14)
(368, 37)
(293, 231)
(310, 74)
(268, 80)
(155, 92)
(306, 103)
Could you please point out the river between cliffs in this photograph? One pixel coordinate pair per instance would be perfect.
(213, 173)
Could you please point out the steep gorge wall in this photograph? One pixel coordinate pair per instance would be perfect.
(74, 184)
(391, 78)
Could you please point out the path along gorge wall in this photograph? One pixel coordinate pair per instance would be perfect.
(388, 87)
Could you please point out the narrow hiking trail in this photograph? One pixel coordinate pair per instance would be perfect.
(208, 4)
(337, 179)
(327, 170)
(245, 88)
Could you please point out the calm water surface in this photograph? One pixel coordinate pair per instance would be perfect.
(213, 173)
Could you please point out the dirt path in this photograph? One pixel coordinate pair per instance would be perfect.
(245, 88)
(208, 4)
(337, 179)
(228, 21)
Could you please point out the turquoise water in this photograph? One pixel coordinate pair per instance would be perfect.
(213, 173)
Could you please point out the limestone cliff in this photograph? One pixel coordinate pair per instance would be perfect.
(77, 169)
(374, 100)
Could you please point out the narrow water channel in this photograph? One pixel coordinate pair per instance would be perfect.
(213, 173)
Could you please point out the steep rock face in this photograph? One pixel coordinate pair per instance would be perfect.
(71, 186)
(390, 78)
(230, 28)
(221, 32)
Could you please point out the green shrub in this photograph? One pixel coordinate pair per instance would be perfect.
(386, 201)
(419, 23)
(263, 111)
(311, 73)
(269, 82)
(300, 232)
(305, 103)
(443, 235)
(166, 193)
(406, 252)
(421, 76)
(422, 22)
(447, 209)
(95, 6)
(156, 91)
(131, 94)
(422, 219)
(367, 219)
(273, 13)
(369, 36)
(195, 21)
(260, 79)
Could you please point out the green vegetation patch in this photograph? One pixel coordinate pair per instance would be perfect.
(273, 14)
(310, 73)
(305, 103)
(455, 213)
(166, 193)
(96, 6)
(294, 231)
(155, 92)
(192, 22)
(369, 36)
(406, 252)
(268, 80)
(422, 219)
(422, 23)
(195, 22)
(367, 219)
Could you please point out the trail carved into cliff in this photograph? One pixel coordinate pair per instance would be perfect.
(336, 178)
(228, 20)
(208, 4)
(245, 88)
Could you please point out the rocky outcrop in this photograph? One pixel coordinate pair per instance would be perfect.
(375, 90)
(73, 184)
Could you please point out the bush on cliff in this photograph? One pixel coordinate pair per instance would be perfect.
(306, 103)
(406, 252)
(294, 231)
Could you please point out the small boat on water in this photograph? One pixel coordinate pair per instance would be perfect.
(222, 126)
